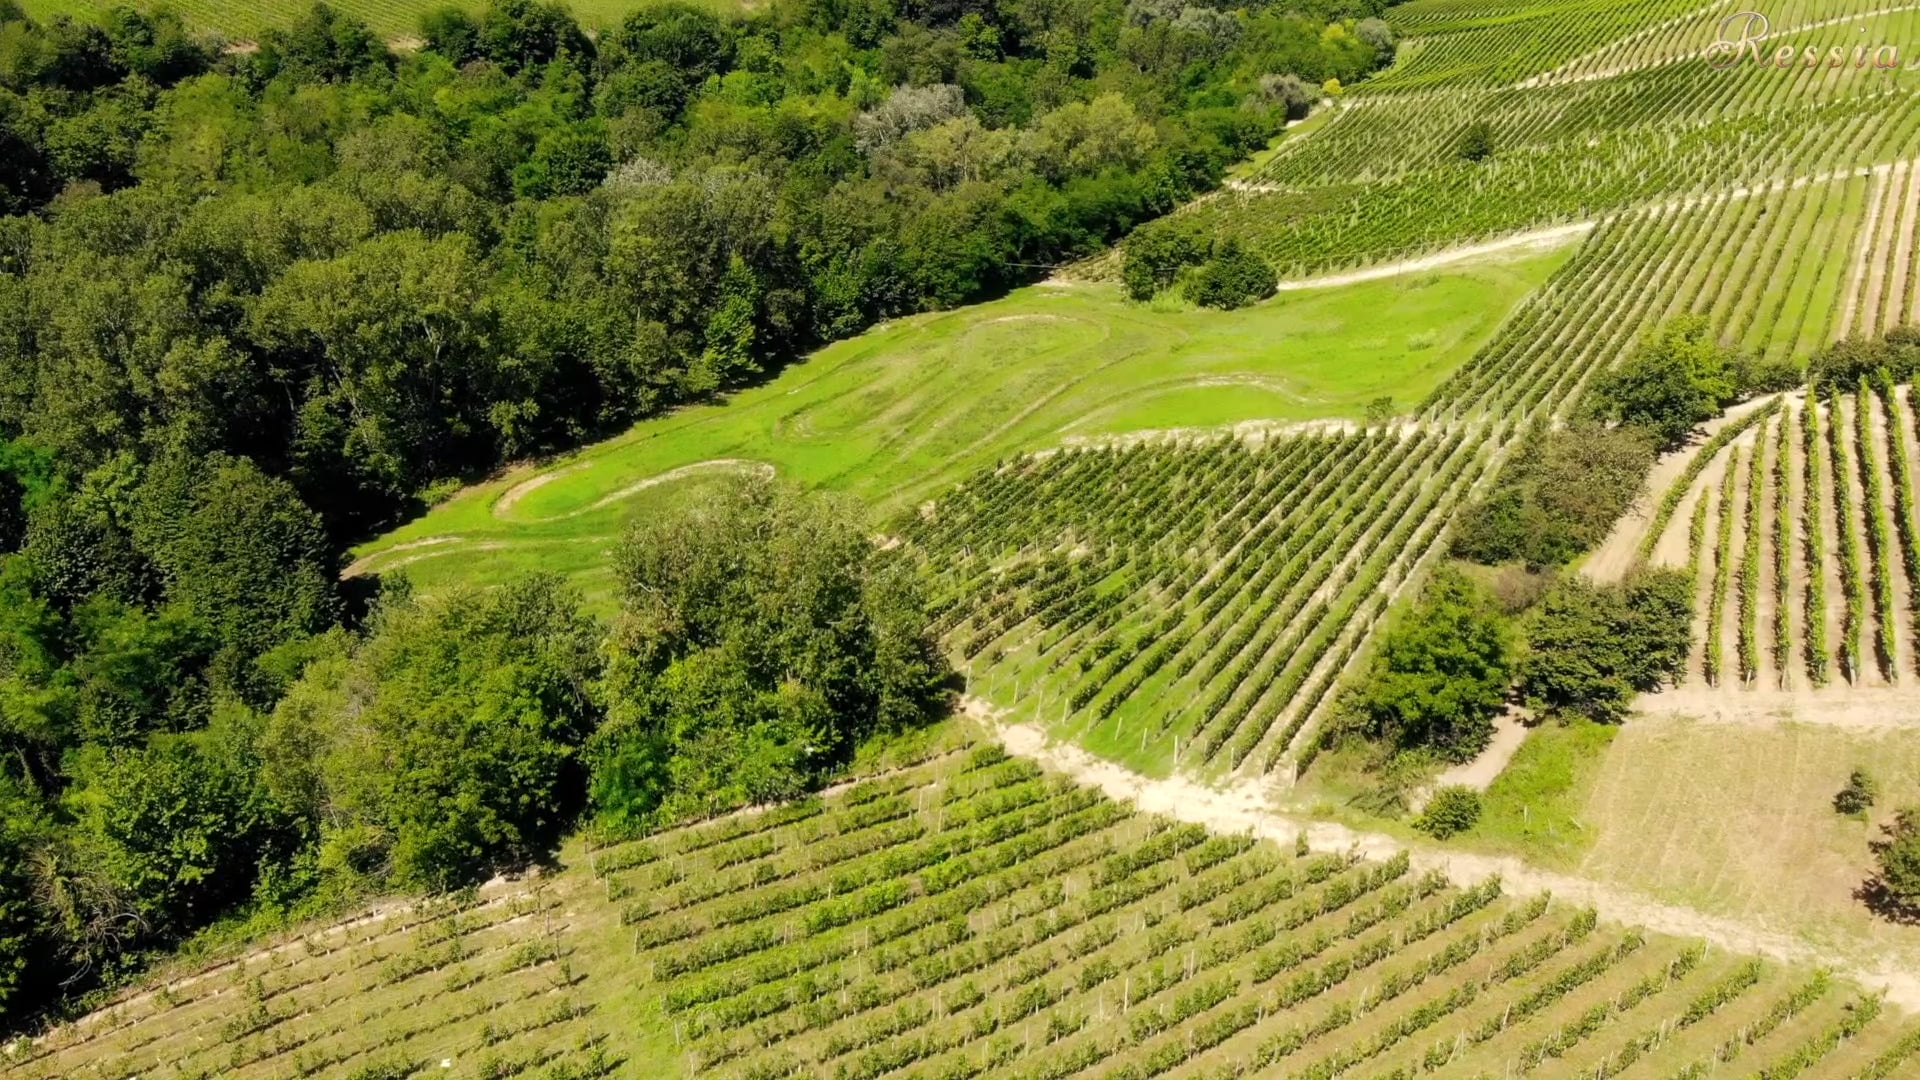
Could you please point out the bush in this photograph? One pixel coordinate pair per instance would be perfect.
(1858, 796)
(763, 637)
(1476, 142)
(1558, 497)
(1897, 887)
(1679, 378)
(1453, 809)
(1233, 278)
(1157, 251)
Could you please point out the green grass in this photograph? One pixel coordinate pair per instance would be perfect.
(393, 19)
(896, 415)
(1534, 807)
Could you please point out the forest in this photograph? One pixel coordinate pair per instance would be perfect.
(257, 302)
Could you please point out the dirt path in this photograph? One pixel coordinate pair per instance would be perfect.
(1894, 309)
(1869, 708)
(1243, 807)
(363, 563)
(1509, 733)
(1536, 240)
(527, 487)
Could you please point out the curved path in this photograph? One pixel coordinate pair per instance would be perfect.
(1242, 807)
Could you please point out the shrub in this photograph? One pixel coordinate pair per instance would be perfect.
(1234, 277)
(1592, 647)
(1442, 672)
(1857, 797)
(1476, 142)
(1156, 252)
(1677, 379)
(1558, 497)
(1453, 809)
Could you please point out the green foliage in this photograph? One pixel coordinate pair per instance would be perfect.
(446, 744)
(1558, 496)
(1234, 277)
(1897, 855)
(1677, 379)
(762, 637)
(1475, 142)
(1442, 671)
(1157, 251)
(1453, 809)
(1858, 795)
(1590, 648)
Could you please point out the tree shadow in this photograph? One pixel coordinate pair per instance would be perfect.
(1880, 900)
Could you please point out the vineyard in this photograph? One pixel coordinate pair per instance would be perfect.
(966, 915)
(1194, 603)
(1798, 521)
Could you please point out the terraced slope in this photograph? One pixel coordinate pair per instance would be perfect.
(969, 916)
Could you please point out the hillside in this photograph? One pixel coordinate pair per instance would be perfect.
(1116, 687)
(971, 915)
(902, 413)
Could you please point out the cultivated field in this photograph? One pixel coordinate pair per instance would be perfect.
(970, 916)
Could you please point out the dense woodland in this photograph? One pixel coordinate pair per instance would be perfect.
(257, 301)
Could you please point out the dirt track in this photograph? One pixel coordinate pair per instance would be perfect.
(1243, 807)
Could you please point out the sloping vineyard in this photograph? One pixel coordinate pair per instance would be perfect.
(1884, 288)
(968, 916)
(1195, 603)
(1456, 43)
(1798, 521)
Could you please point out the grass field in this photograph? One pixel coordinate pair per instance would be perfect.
(962, 914)
(1738, 819)
(901, 412)
(396, 20)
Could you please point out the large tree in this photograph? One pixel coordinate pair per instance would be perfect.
(762, 636)
(1442, 671)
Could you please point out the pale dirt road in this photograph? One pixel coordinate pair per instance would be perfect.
(1243, 807)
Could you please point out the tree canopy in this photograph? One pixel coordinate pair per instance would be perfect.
(762, 636)
(1442, 671)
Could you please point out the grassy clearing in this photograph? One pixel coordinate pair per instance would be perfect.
(898, 413)
(1536, 807)
(1737, 819)
(397, 20)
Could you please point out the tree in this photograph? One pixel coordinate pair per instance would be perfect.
(323, 45)
(1290, 92)
(1678, 378)
(762, 637)
(1558, 496)
(451, 32)
(1896, 888)
(445, 745)
(1590, 648)
(1157, 251)
(1442, 671)
(1233, 278)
